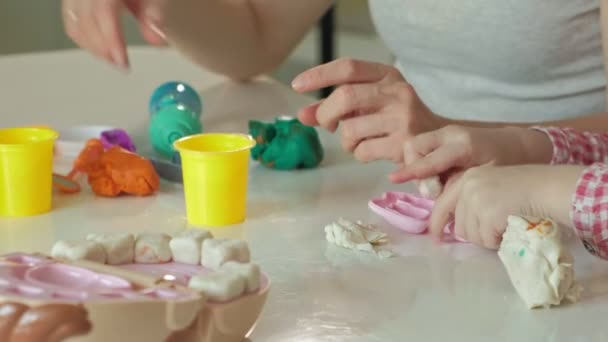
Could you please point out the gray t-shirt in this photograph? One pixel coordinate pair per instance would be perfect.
(498, 60)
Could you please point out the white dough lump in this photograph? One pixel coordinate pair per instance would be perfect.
(539, 265)
(79, 250)
(357, 236)
(186, 245)
(216, 252)
(119, 247)
(152, 248)
(430, 188)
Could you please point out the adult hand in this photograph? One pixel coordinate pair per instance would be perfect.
(94, 25)
(375, 107)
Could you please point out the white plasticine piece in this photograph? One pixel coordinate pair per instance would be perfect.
(79, 250)
(216, 252)
(250, 272)
(430, 188)
(357, 236)
(152, 248)
(119, 247)
(186, 245)
(219, 286)
(539, 265)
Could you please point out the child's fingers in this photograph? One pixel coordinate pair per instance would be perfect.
(433, 164)
(445, 206)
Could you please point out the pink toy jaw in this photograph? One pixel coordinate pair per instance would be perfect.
(408, 212)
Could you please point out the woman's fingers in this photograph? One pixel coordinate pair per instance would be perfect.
(340, 71)
(359, 128)
(348, 99)
(308, 114)
(108, 22)
(381, 148)
(95, 26)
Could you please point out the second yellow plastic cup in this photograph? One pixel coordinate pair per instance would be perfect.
(215, 169)
(26, 169)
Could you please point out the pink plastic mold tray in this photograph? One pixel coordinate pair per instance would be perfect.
(407, 212)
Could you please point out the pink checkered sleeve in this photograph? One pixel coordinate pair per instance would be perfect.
(573, 147)
(589, 212)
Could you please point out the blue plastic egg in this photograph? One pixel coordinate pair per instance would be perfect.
(175, 93)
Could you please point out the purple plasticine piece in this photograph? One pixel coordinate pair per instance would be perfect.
(117, 137)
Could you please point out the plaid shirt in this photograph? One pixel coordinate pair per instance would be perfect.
(589, 210)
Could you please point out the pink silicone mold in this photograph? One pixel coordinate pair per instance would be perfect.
(407, 212)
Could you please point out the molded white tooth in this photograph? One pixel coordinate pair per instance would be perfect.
(216, 252)
(119, 247)
(250, 272)
(79, 250)
(219, 286)
(152, 248)
(186, 245)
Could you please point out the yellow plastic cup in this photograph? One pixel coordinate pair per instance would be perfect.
(215, 169)
(26, 169)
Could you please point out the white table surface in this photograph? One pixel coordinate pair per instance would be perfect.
(320, 292)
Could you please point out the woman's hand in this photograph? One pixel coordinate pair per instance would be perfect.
(373, 104)
(457, 148)
(94, 25)
(481, 199)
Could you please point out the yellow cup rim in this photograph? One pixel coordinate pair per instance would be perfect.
(53, 135)
(249, 138)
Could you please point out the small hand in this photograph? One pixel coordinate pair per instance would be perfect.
(373, 104)
(94, 25)
(481, 198)
(458, 148)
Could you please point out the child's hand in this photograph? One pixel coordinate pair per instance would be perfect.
(374, 106)
(94, 25)
(481, 199)
(459, 148)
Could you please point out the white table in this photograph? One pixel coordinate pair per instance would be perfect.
(320, 292)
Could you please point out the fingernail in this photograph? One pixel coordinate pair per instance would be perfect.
(297, 83)
(157, 30)
(119, 59)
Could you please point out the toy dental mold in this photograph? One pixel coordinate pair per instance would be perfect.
(285, 144)
(46, 299)
(115, 171)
